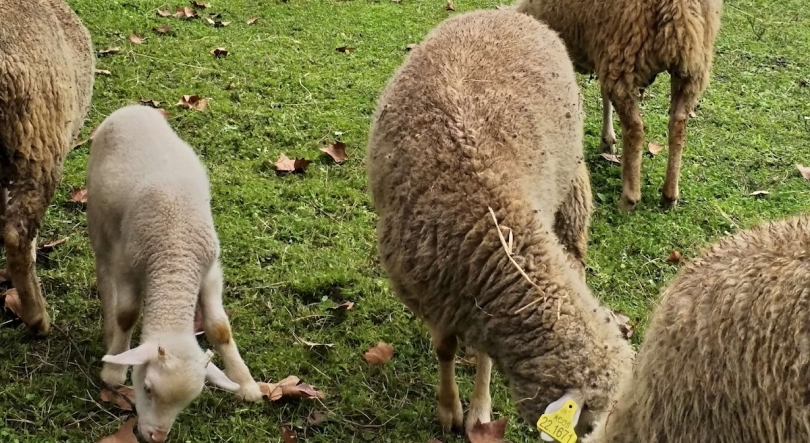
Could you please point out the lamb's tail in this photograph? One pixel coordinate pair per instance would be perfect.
(687, 32)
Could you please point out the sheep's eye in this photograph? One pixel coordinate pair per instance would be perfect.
(147, 389)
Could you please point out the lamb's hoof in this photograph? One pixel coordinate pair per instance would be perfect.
(249, 392)
(113, 375)
(626, 204)
(607, 146)
(477, 414)
(451, 417)
(668, 203)
(39, 325)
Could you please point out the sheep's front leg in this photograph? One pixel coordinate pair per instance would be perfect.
(121, 306)
(685, 93)
(481, 401)
(450, 414)
(625, 100)
(608, 143)
(218, 331)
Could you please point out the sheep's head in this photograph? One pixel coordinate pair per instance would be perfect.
(167, 375)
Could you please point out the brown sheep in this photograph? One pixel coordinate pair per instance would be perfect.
(627, 43)
(46, 83)
(726, 357)
(485, 113)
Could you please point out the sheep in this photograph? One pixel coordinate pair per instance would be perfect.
(153, 236)
(726, 356)
(627, 43)
(485, 114)
(46, 83)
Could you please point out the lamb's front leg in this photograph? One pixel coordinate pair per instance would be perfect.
(218, 331)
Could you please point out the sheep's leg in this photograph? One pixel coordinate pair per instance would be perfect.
(218, 332)
(685, 93)
(26, 208)
(608, 143)
(451, 416)
(625, 100)
(121, 305)
(480, 402)
(573, 218)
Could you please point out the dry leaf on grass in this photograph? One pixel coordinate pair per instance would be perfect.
(149, 102)
(759, 193)
(163, 13)
(165, 29)
(11, 301)
(380, 354)
(102, 72)
(491, 432)
(411, 46)
(123, 397)
(613, 158)
(185, 12)
(345, 306)
(289, 387)
(217, 23)
(51, 245)
(288, 165)
(674, 257)
(252, 20)
(200, 4)
(317, 418)
(108, 51)
(138, 39)
(288, 435)
(337, 151)
(125, 434)
(346, 49)
(804, 171)
(655, 148)
(450, 5)
(624, 324)
(219, 52)
(78, 196)
(193, 102)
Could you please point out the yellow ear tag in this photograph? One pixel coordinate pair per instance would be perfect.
(559, 424)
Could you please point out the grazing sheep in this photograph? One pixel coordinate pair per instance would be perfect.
(46, 82)
(150, 223)
(726, 357)
(627, 43)
(486, 113)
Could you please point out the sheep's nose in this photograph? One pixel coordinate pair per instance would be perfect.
(157, 436)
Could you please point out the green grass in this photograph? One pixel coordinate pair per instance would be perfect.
(294, 246)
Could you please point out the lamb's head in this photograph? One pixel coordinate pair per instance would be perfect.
(168, 374)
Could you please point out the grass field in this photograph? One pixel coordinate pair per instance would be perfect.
(294, 246)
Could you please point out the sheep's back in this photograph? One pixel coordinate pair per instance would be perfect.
(726, 357)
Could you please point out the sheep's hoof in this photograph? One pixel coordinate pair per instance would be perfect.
(626, 205)
(451, 417)
(477, 414)
(249, 392)
(113, 375)
(39, 326)
(668, 203)
(607, 146)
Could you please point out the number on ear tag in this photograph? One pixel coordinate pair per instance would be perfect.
(559, 425)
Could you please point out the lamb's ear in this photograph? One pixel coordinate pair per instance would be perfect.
(138, 356)
(214, 375)
(557, 404)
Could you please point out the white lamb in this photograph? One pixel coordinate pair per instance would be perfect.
(150, 223)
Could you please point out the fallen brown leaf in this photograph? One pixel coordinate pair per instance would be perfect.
(252, 20)
(613, 158)
(200, 4)
(804, 171)
(289, 387)
(138, 39)
(165, 29)
(411, 47)
(102, 72)
(78, 196)
(288, 435)
(186, 12)
(108, 51)
(51, 245)
(345, 306)
(163, 13)
(674, 257)
(219, 52)
(217, 23)
(125, 434)
(450, 5)
(11, 301)
(655, 148)
(380, 354)
(346, 49)
(491, 432)
(285, 164)
(193, 102)
(624, 324)
(317, 418)
(149, 102)
(337, 151)
(123, 397)
(759, 193)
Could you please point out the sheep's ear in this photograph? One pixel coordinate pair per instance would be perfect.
(138, 356)
(557, 404)
(214, 375)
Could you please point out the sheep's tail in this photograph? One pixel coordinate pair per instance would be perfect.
(687, 32)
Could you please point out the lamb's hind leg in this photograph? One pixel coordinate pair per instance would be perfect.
(685, 93)
(480, 401)
(573, 218)
(26, 208)
(218, 331)
(450, 413)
